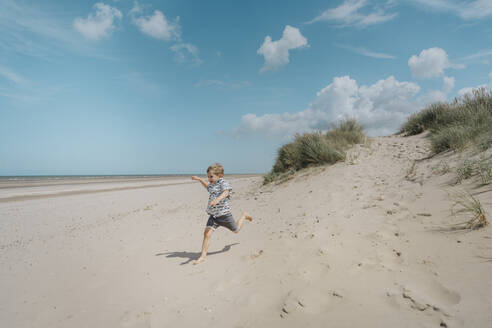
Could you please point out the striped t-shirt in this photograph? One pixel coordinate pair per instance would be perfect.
(216, 189)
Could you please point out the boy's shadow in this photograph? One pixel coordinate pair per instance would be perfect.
(194, 255)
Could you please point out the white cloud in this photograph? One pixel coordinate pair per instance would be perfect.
(348, 14)
(29, 31)
(276, 53)
(99, 25)
(380, 107)
(11, 76)
(433, 96)
(468, 10)
(430, 63)
(30, 93)
(186, 52)
(366, 52)
(469, 90)
(137, 9)
(448, 83)
(479, 54)
(476, 9)
(157, 25)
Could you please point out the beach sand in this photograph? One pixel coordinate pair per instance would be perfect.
(356, 244)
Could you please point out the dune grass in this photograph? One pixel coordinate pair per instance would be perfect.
(441, 168)
(464, 170)
(485, 170)
(454, 126)
(466, 205)
(314, 149)
(481, 167)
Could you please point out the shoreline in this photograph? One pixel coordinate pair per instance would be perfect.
(67, 187)
(54, 180)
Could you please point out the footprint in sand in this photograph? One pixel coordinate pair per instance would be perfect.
(132, 319)
(309, 300)
(391, 259)
(256, 255)
(428, 297)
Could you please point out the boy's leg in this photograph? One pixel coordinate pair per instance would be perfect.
(207, 234)
(240, 221)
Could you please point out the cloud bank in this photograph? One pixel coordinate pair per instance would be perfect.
(276, 53)
(380, 108)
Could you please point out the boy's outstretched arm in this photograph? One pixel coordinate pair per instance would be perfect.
(203, 182)
(221, 197)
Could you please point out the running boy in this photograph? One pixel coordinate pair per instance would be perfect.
(219, 206)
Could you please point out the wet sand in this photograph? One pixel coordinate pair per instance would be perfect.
(36, 188)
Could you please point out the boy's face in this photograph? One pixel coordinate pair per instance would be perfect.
(212, 177)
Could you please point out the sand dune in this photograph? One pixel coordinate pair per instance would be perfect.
(356, 244)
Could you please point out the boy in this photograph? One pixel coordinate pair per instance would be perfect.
(219, 206)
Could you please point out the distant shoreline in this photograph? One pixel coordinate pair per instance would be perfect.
(54, 180)
(58, 186)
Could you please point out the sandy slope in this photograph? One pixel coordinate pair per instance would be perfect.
(351, 245)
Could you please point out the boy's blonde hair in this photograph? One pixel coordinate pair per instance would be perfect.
(216, 169)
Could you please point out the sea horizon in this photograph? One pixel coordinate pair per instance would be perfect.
(111, 175)
(16, 181)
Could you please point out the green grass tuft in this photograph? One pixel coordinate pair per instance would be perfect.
(314, 149)
(481, 167)
(454, 126)
(465, 170)
(485, 170)
(317, 149)
(466, 205)
(424, 120)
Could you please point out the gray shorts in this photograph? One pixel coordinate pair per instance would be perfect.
(224, 221)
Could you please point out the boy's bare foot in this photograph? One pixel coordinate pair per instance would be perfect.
(248, 217)
(199, 260)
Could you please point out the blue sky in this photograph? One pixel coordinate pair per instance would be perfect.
(139, 87)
